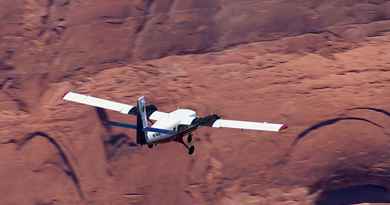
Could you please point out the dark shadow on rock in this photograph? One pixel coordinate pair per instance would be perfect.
(68, 169)
(115, 142)
(112, 142)
(132, 144)
(285, 159)
(104, 119)
(328, 122)
(385, 112)
(367, 193)
(10, 141)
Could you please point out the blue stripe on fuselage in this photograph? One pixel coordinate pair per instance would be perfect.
(151, 129)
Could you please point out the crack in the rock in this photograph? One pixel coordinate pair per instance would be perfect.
(133, 194)
(358, 71)
(171, 6)
(113, 20)
(148, 5)
(20, 104)
(140, 29)
(47, 23)
(45, 18)
(68, 169)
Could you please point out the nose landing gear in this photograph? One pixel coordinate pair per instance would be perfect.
(189, 147)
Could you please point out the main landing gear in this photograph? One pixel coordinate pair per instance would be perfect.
(189, 138)
(190, 148)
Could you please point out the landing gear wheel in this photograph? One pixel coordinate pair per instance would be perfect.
(189, 138)
(191, 150)
(150, 146)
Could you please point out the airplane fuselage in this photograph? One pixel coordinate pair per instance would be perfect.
(172, 122)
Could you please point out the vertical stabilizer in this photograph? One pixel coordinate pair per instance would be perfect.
(142, 121)
(142, 111)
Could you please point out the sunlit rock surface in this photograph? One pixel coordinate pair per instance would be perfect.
(323, 68)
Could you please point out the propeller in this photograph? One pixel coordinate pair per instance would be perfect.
(207, 121)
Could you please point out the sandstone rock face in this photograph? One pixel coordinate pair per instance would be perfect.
(67, 35)
(323, 67)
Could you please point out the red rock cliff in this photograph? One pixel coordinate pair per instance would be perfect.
(323, 67)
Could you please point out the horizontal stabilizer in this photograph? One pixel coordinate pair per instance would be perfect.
(249, 125)
(121, 124)
(98, 102)
(151, 129)
(157, 115)
(184, 116)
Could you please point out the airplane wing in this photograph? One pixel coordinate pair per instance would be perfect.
(98, 102)
(264, 126)
(215, 121)
(211, 121)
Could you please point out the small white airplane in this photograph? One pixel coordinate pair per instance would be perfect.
(167, 127)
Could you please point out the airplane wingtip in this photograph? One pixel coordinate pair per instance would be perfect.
(67, 95)
(64, 95)
(284, 126)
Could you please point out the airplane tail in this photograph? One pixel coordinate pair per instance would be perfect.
(142, 122)
(142, 127)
